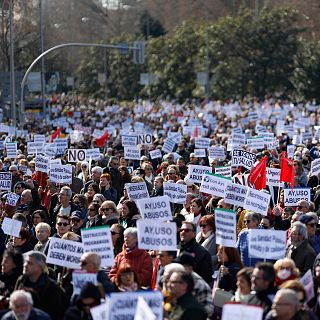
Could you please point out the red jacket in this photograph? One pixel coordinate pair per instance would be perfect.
(140, 262)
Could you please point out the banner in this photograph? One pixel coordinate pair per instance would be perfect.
(223, 171)
(267, 244)
(293, 196)
(137, 191)
(153, 235)
(257, 201)
(235, 194)
(132, 153)
(61, 173)
(214, 184)
(98, 240)
(176, 192)
(195, 173)
(65, 253)
(243, 158)
(226, 227)
(79, 278)
(5, 180)
(155, 208)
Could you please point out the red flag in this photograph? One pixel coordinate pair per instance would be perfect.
(55, 135)
(287, 170)
(196, 132)
(258, 175)
(101, 142)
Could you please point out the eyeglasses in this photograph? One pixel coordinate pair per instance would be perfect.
(203, 225)
(62, 224)
(114, 233)
(246, 221)
(312, 225)
(186, 230)
(106, 209)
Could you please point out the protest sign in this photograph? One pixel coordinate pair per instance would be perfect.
(195, 173)
(269, 244)
(296, 139)
(79, 278)
(60, 173)
(97, 133)
(315, 167)
(216, 153)
(123, 305)
(93, 154)
(256, 143)
(65, 253)
(155, 154)
(5, 180)
(12, 199)
(200, 153)
(238, 139)
(214, 184)
(257, 201)
(35, 147)
(143, 311)
(76, 155)
(155, 208)
(50, 150)
(243, 158)
(307, 281)
(235, 194)
(223, 171)
(129, 140)
(11, 148)
(175, 136)
(11, 227)
(41, 163)
(273, 177)
(61, 144)
(98, 240)
(24, 169)
(226, 227)
(177, 193)
(168, 145)
(137, 191)
(232, 311)
(154, 235)
(145, 139)
(293, 196)
(100, 312)
(202, 143)
(132, 153)
(290, 151)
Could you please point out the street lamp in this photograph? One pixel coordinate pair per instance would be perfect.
(12, 76)
(42, 61)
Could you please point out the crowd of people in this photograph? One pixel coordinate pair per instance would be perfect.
(200, 275)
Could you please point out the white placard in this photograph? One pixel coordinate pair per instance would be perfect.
(155, 208)
(175, 136)
(315, 167)
(93, 154)
(11, 227)
(202, 143)
(214, 184)
(64, 253)
(235, 194)
(290, 151)
(41, 163)
(155, 154)
(35, 147)
(11, 148)
(195, 173)
(241, 312)
(61, 173)
(143, 311)
(79, 278)
(12, 199)
(226, 227)
(269, 244)
(200, 153)
(50, 150)
(5, 180)
(145, 139)
(273, 177)
(76, 155)
(307, 282)
(216, 153)
(243, 158)
(154, 235)
(257, 201)
(123, 305)
(132, 153)
(100, 312)
(39, 138)
(293, 196)
(129, 140)
(238, 139)
(256, 143)
(137, 191)
(168, 145)
(176, 192)
(98, 240)
(61, 144)
(223, 171)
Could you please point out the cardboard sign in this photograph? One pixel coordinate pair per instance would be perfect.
(12, 199)
(269, 244)
(307, 281)
(235, 194)
(143, 311)
(216, 153)
(137, 191)
(156, 208)
(41, 163)
(223, 171)
(226, 227)
(195, 173)
(132, 153)
(315, 167)
(176, 192)
(50, 150)
(11, 149)
(65, 253)
(61, 173)
(100, 312)
(243, 158)
(35, 147)
(175, 136)
(61, 144)
(214, 184)
(168, 145)
(93, 154)
(79, 278)
(290, 151)
(241, 312)
(123, 305)
(39, 138)
(202, 143)
(256, 143)
(76, 155)
(200, 153)
(155, 154)
(98, 240)
(5, 180)
(257, 201)
(145, 139)
(293, 196)
(154, 235)
(129, 140)
(11, 227)
(273, 177)
(238, 139)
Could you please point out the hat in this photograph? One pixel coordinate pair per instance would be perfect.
(22, 184)
(305, 219)
(78, 214)
(13, 167)
(185, 258)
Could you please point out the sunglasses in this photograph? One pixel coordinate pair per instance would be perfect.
(186, 230)
(62, 224)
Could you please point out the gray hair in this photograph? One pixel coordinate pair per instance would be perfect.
(289, 296)
(301, 228)
(131, 231)
(97, 169)
(170, 268)
(38, 256)
(43, 225)
(314, 216)
(20, 294)
(67, 190)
